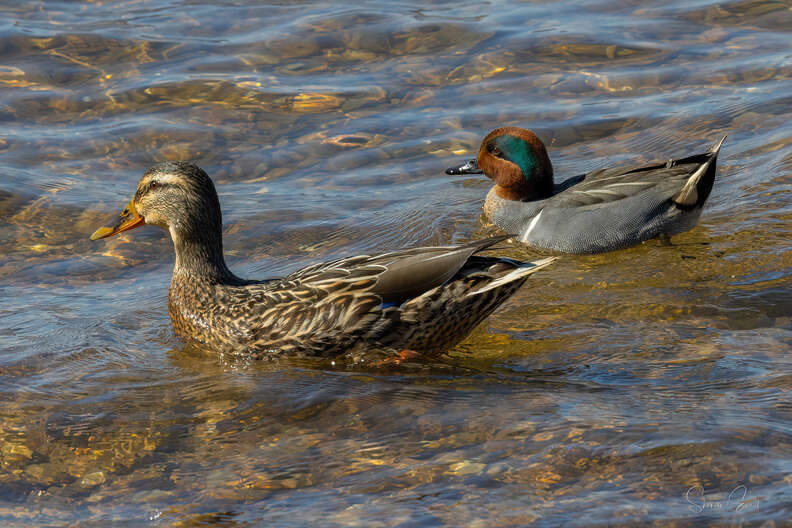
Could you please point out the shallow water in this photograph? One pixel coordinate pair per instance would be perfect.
(649, 385)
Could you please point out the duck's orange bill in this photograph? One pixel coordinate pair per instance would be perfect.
(130, 219)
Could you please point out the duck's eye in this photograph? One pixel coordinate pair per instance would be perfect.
(153, 185)
(495, 151)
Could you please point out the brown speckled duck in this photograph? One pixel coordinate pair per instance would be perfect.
(422, 299)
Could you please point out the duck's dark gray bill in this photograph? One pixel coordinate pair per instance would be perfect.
(471, 167)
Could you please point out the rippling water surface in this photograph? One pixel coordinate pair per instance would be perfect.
(650, 385)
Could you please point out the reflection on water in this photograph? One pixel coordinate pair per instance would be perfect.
(611, 386)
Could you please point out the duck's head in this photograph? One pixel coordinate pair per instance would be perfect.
(516, 160)
(179, 197)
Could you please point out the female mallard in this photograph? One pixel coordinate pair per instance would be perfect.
(422, 299)
(603, 210)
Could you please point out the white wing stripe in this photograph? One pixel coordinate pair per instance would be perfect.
(531, 226)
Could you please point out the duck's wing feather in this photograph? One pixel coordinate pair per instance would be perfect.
(395, 276)
(687, 181)
(328, 306)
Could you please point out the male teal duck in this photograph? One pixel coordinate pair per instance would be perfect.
(600, 211)
(422, 299)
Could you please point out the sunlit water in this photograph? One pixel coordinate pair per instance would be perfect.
(650, 385)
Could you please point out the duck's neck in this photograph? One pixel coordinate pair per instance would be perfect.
(525, 191)
(199, 254)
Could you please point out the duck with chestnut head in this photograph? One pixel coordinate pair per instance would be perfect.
(421, 299)
(603, 210)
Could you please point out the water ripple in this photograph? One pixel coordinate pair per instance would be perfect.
(603, 390)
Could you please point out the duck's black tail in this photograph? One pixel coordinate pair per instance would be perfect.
(698, 187)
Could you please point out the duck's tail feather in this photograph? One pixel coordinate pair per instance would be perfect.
(717, 146)
(520, 272)
(486, 243)
(697, 188)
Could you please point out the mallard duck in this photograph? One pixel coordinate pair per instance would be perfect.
(600, 211)
(422, 299)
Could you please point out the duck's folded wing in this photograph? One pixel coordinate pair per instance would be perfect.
(393, 277)
(671, 180)
(328, 306)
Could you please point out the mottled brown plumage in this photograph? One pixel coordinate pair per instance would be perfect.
(423, 299)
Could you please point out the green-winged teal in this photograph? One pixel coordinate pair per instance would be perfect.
(602, 210)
